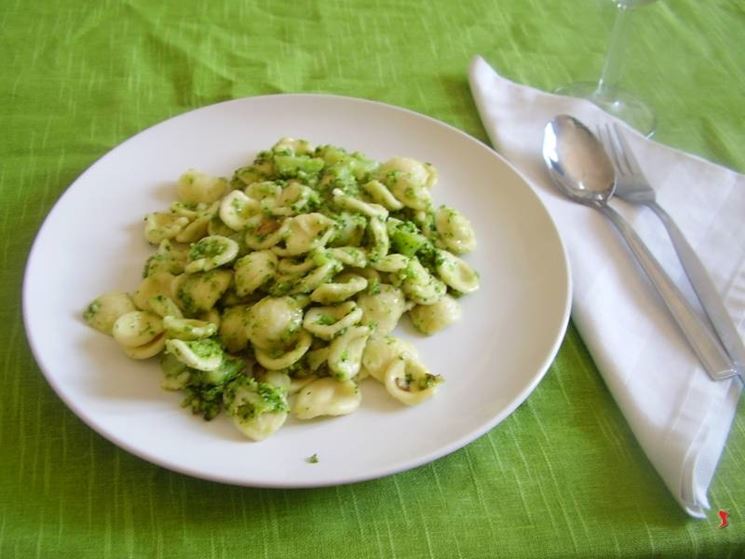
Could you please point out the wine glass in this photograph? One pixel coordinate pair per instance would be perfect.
(605, 92)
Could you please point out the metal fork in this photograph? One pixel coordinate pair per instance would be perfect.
(632, 186)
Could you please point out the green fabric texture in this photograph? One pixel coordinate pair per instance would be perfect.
(562, 476)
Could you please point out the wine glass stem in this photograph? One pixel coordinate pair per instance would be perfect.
(611, 71)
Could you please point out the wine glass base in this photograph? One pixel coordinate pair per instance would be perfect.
(616, 102)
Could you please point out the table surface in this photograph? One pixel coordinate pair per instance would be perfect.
(562, 476)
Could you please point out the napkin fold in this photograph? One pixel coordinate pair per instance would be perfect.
(680, 417)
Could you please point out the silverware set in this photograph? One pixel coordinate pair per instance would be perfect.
(591, 169)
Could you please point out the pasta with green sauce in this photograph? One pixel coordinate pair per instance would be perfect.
(276, 292)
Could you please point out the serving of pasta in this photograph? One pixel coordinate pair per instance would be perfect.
(277, 291)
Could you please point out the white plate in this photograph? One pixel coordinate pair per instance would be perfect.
(92, 243)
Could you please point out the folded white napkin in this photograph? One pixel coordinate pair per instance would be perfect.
(680, 417)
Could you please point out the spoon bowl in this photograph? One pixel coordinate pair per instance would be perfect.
(577, 161)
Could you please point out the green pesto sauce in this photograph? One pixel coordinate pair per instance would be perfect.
(428, 381)
(205, 349)
(91, 310)
(186, 300)
(271, 398)
(206, 248)
(325, 320)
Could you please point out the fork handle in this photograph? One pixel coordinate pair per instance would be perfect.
(704, 287)
(715, 360)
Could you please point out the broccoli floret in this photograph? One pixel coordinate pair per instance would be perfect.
(205, 389)
(429, 256)
(204, 399)
(247, 175)
(228, 369)
(362, 167)
(340, 177)
(332, 154)
(405, 237)
(298, 166)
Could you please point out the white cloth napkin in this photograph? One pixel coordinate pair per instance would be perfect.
(680, 417)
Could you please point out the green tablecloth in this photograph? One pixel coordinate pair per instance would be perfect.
(562, 476)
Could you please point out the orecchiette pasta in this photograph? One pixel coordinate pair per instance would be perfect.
(353, 257)
(456, 273)
(263, 190)
(295, 198)
(326, 322)
(276, 360)
(352, 204)
(202, 355)
(147, 350)
(188, 329)
(200, 291)
(429, 319)
(211, 315)
(264, 234)
(152, 289)
(137, 328)
(195, 187)
(258, 408)
(410, 181)
(199, 225)
(237, 209)
(162, 305)
(326, 396)
(391, 263)
(176, 375)
(276, 292)
(418, 172)
(103, 311)
(455, 231)
(274, 322)
(345, 352)
(161, 226)
(316, 277)
(277, 379)
(421, 286)
(380, 241)
(380, 194)
(349, 230)
(169, 257)
(211, 252)
(410, 382)
(254, 270)
(233, 331)
(304, 233)
(140, 334)
(382, 309)
(341, 288)
(381, 351)
(298, 267)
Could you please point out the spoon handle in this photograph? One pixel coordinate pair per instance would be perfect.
(714, 358)
(705, 289)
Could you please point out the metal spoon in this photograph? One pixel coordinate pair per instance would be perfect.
(581, 169)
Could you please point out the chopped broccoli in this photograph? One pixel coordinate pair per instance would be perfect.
(228, 369)
(298, 166)
(204, 389)
(405, 237)
(204, 399)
